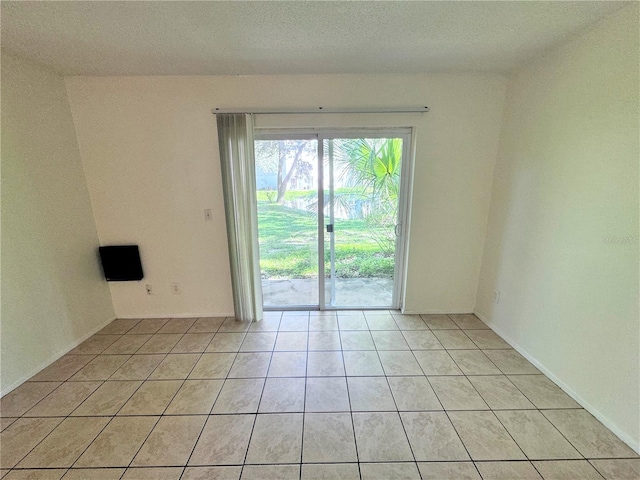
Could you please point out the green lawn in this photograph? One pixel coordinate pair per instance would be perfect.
(288, 245)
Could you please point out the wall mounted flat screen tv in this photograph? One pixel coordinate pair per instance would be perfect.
(121, 263)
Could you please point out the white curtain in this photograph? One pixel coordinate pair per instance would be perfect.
(235, 135)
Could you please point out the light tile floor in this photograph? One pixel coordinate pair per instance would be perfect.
(350, 395)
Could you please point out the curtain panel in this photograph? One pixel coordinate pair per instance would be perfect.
(235, 137)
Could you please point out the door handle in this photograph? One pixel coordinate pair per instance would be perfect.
(396, 229)
(330, 228)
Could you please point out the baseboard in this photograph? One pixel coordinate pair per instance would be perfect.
(53, 358)
(633, 444)
(195, 315)
(437, 312)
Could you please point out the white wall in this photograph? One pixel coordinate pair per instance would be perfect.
(53, 294)
(149, 149)
(562, 242)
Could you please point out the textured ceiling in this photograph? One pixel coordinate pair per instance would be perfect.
(303, 37)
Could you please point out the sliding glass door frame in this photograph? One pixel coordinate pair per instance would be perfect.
(404, 202)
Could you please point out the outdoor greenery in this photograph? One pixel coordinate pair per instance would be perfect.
(368, 180)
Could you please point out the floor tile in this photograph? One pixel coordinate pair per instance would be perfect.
(487, 340)
(100, 368)
(389, 340)
(511, 362)
(619, 469)
(95, 345)
(241, 395)
(448, 471)
(342, 471)
(193, 343)
(226, 342)
(210, 473)
(422, 340)
(258, 342)
(291, 341)
(413, 394)
(325, 364)
(23, 398)
(323, 324)
(62, 401)
(432, 437)
(118, 443)
(158, 473)
(381, 322)
(107, 399)
(352, 323)
(160, 343)
(151, 398)
(380, 471)
(282, 395)
(327, 395)
(228, 449)
(177, 325)
(588, 435)
(24, 434)
(362, 363)
(454, 340)
(127, 344)
(175, 366)
(328, 437)
(380, 437)
(500, 393)
(399, 363)
(294, 323)
(436, 362)
(468, 321)
(288, 364)
(5, 422)
(265, 325)
(230, 324)
(356, 340)
(62, 369)
(507, 471)
(270, 472)
(570, 470)
(212, 325)
(213, 365)
(250, 365)
(195, 397)
(148, 325)
(49, 474)
(94, 474)
(119, 326)
(276, 438)
(324, 340)
(484, 436)
(536, 436)
(474, 362)
(370, 394)
(138, 367)
(457, 393)
(542, 392)
(410, 322)
(171, 441)
(439, 322)
(65, 444)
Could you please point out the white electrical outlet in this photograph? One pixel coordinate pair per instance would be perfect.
(175, 288)
(207, 214)
(496, 296)
(148, 289)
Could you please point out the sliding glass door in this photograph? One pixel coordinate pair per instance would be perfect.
(331, 210)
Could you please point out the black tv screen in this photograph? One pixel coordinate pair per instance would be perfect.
(121, 263)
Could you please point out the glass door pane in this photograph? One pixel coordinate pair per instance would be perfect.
(361, 183)
(287, 192)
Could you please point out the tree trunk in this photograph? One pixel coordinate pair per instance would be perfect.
(283, 179)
